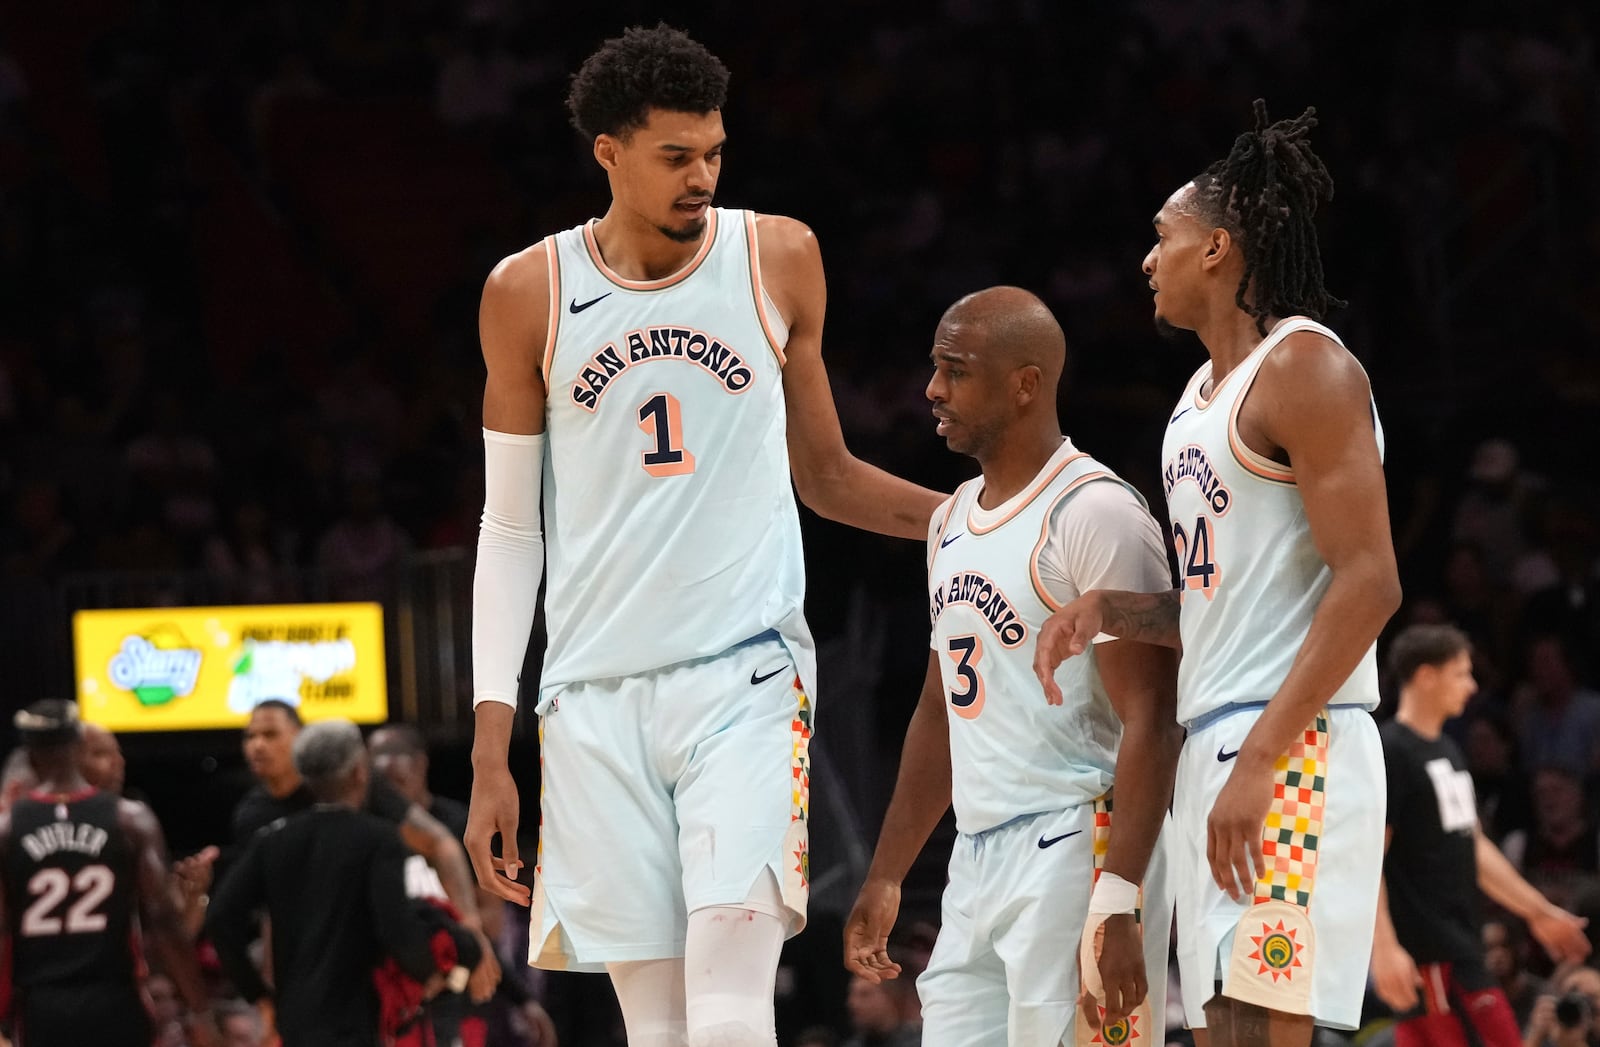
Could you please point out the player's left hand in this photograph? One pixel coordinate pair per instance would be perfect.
(1121, 963)
(1233, 831)
(1561, 933)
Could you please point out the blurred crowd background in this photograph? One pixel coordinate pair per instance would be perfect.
(241, 248)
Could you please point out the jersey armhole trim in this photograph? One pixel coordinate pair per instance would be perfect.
(944, 525)
(758, 292)
(555, 310)
(1039, 589)
(1255, 464)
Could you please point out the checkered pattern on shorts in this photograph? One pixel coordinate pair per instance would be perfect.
(1293, 830)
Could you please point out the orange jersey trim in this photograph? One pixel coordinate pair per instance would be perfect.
(1027, 500)
(1044, 533)
(665, 282)
(756, 289)
(1252, 462)
(554, 274)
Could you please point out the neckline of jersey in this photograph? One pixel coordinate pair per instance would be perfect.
(671, 279)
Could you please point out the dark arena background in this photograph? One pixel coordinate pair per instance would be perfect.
(242, 246)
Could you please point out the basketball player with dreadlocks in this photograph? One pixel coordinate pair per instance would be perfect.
(1273, 471)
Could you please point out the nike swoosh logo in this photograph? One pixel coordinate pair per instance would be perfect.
(1043, 843)
(574, 307)
(754, 679)
(946, 541)
(1223, 756)
(1174, 418)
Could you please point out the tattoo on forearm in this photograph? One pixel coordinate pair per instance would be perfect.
(1146, 617)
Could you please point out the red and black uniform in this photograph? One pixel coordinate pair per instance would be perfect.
(1431, 872)
(71, 895)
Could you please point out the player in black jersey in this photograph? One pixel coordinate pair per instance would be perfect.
(83, 875)
(1427, 953)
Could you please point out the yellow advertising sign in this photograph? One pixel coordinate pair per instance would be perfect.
(187, 668)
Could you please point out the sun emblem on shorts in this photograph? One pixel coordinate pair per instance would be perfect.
(802, 863)
(1277, 950)
(1118, 1033)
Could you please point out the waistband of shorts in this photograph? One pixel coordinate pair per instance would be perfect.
(1222, 712)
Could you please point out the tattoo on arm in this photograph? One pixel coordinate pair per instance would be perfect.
(1146, 617)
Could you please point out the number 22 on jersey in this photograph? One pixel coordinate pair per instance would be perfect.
(1197, 556)
(50, 888)
(661, 418)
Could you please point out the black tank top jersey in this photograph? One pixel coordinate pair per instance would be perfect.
(70, 891)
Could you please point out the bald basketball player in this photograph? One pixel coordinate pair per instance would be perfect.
(1030, 779)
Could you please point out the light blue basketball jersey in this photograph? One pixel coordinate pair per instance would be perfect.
(671, 531)
(1011, 752)
(1248, 570)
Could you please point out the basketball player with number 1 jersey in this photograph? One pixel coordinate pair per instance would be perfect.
(653, 375)
(1041, 859)
(1272, 465)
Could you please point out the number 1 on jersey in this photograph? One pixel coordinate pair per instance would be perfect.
(661, 417)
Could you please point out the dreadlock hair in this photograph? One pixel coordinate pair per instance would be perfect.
(643, 69)
(1265, 194)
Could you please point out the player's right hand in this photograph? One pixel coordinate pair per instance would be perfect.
(1068, 632)
(495, 810)
(866, 932)
(1395, 977)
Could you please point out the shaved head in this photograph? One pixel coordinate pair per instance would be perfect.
(997, 358)
(1013, 327)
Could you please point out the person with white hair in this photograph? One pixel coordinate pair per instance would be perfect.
(332, 884)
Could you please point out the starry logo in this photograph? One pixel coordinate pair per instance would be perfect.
(156, 667)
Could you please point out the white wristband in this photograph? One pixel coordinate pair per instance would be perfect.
(1113, 896)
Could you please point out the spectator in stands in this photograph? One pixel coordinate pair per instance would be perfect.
(1560, 718)
(1570, 1015)
(1505, 954)
(1561, 853)
(881, 1015)
(1497, 777)
(362, 549)
(332, 883)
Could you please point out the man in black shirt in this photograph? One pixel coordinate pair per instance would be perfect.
(1437, 858)
(84, 878)
(332, 882)
(269, 738)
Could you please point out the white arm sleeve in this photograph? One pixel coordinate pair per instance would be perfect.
(1102, 537)
(505, 586)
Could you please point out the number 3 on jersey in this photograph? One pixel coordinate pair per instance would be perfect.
(1197, 556)
(966, 652)
(661, 418)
